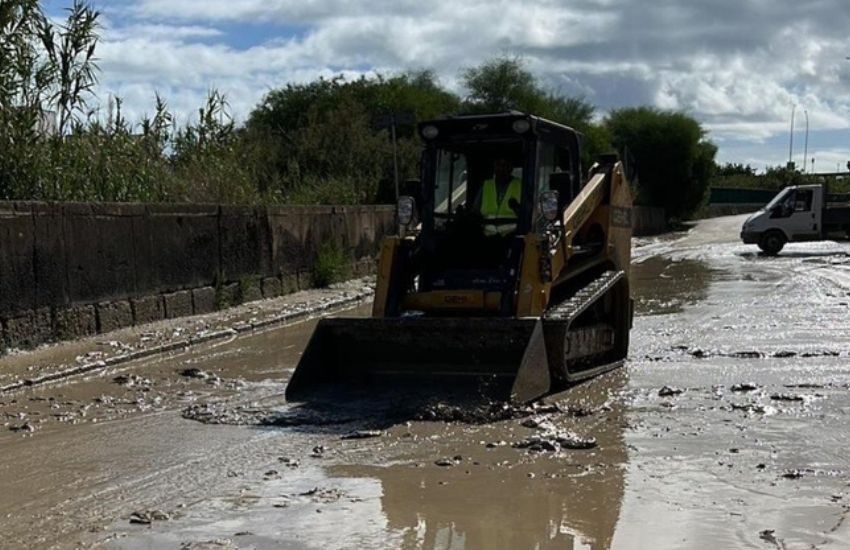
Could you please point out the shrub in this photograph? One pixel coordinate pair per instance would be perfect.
(331, 266)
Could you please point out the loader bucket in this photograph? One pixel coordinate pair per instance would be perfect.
(503, 358)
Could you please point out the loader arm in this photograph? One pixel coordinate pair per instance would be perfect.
(546, 257)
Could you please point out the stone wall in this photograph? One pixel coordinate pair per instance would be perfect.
(70, 270)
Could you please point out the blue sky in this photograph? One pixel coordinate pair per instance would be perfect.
(738, 66)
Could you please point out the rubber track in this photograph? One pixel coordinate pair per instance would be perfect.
(581, 300)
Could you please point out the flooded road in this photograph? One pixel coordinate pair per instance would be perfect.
(728, 428)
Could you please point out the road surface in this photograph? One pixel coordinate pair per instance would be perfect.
(728, 428)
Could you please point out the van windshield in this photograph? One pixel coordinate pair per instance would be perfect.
(781, 196)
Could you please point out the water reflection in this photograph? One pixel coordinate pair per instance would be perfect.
(510, 499)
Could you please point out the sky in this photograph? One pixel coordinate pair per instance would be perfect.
(740, 67)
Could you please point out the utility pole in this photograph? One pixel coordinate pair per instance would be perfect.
(791, 140)
(806, 149)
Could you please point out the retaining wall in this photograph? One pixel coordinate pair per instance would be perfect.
(70, 270)
(76, 269)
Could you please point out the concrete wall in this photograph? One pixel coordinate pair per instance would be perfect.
(69, 270)
(648, 220)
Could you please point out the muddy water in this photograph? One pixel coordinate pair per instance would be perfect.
(727, 429)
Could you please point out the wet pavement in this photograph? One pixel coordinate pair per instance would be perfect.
(727, 429)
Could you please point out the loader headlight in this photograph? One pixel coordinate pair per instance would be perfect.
(430, 132)
(406, 209)
(549, 205)
(521, 126)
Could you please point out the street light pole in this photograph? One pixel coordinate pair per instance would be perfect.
(806, 148)
(791, 139)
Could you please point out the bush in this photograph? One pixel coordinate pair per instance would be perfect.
(332, 265)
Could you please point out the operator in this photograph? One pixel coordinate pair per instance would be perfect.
(498, 200)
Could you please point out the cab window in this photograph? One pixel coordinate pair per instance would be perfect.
(803, 200)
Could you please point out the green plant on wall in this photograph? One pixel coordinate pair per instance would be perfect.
(331, 266)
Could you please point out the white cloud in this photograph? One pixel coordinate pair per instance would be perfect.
(736, 65)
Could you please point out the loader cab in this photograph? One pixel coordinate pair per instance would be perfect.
(459, 248)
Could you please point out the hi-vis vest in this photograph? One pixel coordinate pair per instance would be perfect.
(492, 209)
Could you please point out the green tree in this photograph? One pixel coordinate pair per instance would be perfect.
(504, 84)
(327, 143)
(674, 160)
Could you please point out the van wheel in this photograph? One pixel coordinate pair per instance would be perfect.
(772, 242)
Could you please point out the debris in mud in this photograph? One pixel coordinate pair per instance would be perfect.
(796, 474)
(318, 451)
(25, 427)
(495, 412)
(363, 434)
(669, 391)
(784, 354)
(323, 496)
(805, 386)
(787, 397)
(747, 354)
(291, 463)
(194, 372)
(699, 353)
(537, 444)
(146, 517)
(579, 411)
(133, 381)
(553, 442)
(753, 408)
(217, 544)
(304, 417)
(479, 414)
(90, 356)
(494, 444)
(744, 387)
(538, 423)
(198, 374)
(822, 353)
(447, 462)
(218, 413)
(768, 536)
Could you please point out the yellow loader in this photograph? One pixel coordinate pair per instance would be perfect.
(514, 306)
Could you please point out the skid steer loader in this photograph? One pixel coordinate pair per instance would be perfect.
(517, 305)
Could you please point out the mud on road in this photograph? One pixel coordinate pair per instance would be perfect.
(727, 429)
